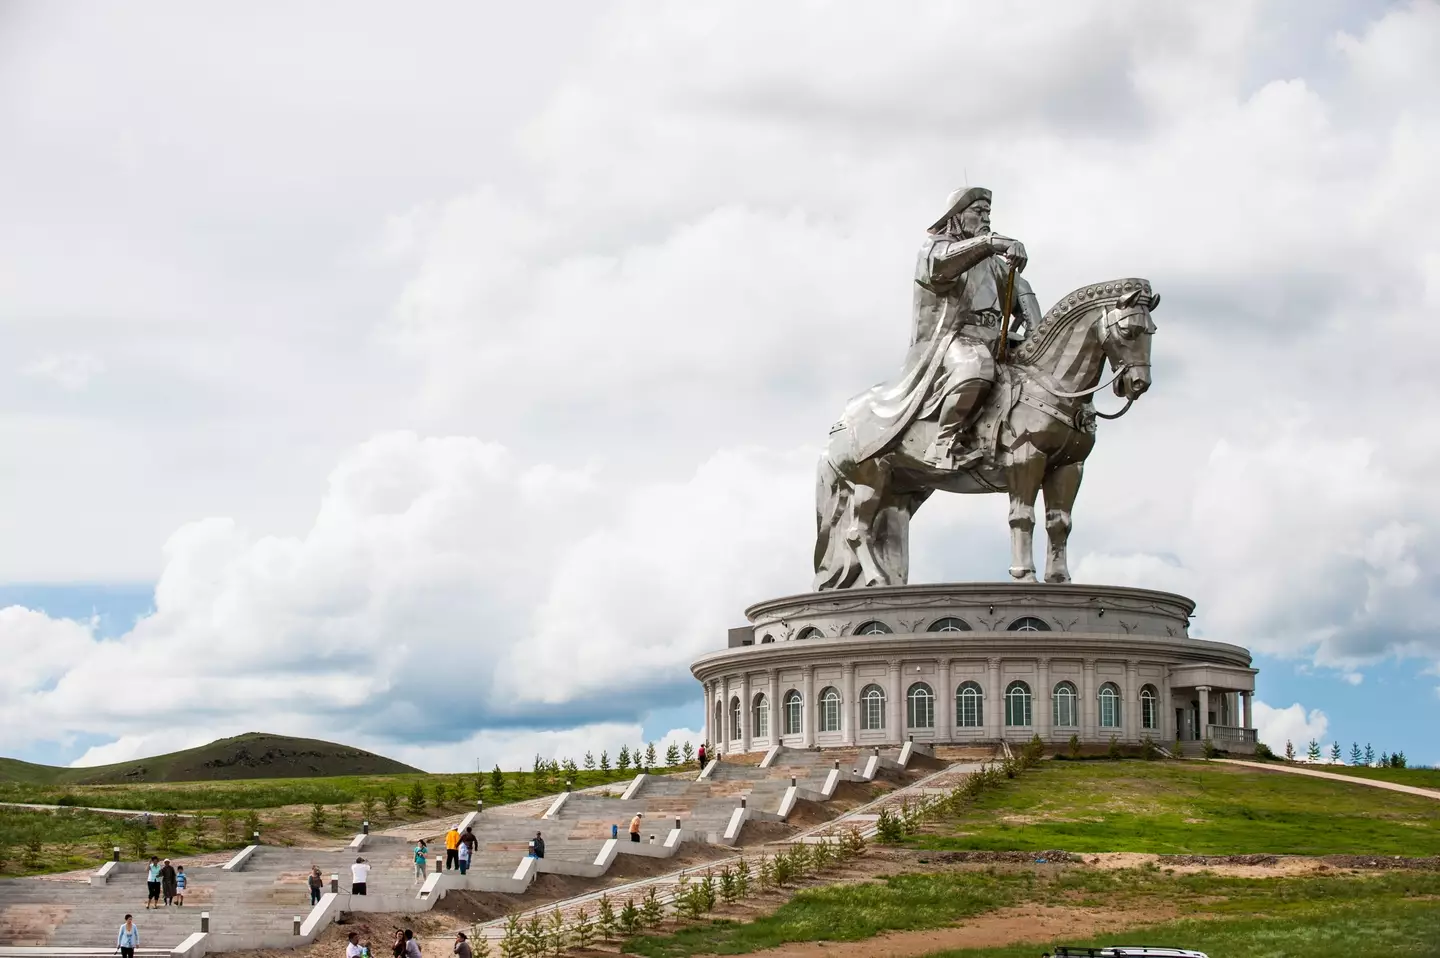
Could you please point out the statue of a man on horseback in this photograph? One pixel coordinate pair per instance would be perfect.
(993, 397)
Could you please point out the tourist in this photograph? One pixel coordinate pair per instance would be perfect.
(128, 938)
(635, 827)
(701, 756)
(421, 851)
(469, 839)
(358, 873)
(452, 848)
(167, 882)
(462, 945)
(317, 884)
(152, 884)
(353, 948)
(537, 847)
(412, 946)
(462, 855)
(397, 947)
(180, 885)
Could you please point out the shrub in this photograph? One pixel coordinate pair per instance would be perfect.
(167, 831)
(34, 846)
(1177, 749)
(137, 840)
(1263, 752)
(1148, 751)
(227, 828)
(888, 830)
(1113, 752)
(416, 801)
(367, 807)
(252, 824)
(199, 830)
(317, 817)
(1209, 747)
(441, 793)
(1074, 746)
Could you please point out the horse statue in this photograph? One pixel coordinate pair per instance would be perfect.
(1036, 427)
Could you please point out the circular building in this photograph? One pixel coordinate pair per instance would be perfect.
(974, 663)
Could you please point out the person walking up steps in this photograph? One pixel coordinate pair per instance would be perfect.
(635, 827)
(180, 885)
(701, 756)
(129, 938)
(421, 851)
(358, 873)
(463, 855)
(167, 882)
(152, 884)
(452, 848)
(316, 883)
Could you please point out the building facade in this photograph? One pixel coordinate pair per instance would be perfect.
(974, 663)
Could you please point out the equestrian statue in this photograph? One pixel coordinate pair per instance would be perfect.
(993, 397)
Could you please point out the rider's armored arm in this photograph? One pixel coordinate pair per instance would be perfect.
(950, 259)
(1027, 305)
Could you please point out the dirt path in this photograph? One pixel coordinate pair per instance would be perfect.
(1352, 779)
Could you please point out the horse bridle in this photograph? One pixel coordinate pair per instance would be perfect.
(1121, 370)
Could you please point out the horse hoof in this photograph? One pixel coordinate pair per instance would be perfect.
(1022, 575)
(1057, 579)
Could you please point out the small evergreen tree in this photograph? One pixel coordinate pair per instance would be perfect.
(604, 760)
(317, 817)
(557, 937)
(534, 937)
(672, 755)
(227, 828)
(651, 912)
(441, 793)
(1289, 751)
(629, 918)
(1384, 760)
(252, 824)
(1113, 752)
(687, 753)
(605, 920)
(649, 756)
(623, 761)
(582, 929)
(497, 781)
(477, 787)
(1369, 755)
(589, 761)
(512, 945)
(1208, 747)
(1356, 756)
(1398, 760)
(390, 800)
(137, 840)
(1312, 751)
(1074, 746)
(416, 802)
(367, 807)
(199, 831)
(1335, 753)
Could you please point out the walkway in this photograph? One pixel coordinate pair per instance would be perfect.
(1352, 779)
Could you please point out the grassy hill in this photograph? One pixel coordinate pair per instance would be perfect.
(249, 756)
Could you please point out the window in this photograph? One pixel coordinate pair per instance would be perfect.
(794, 706)
(969, 706)
(1066, 714)
(735, 719)
(1017, 704)
(873, 628)
(1149, 708)
(872, 708)
(767, 640)
(1029, 624)
(762, 716)
(1109, 706)
(920, 706)
(829, 710)
(949, 624)
(811, 633)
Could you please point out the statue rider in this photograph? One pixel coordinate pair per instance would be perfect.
(961, 278)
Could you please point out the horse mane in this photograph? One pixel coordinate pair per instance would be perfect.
(1071, 307)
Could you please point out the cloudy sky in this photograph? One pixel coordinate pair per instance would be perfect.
(445, 379)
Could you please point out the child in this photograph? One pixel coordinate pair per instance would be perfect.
(421, 850)
(180, 885)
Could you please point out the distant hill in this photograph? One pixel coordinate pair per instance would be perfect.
(252, 755)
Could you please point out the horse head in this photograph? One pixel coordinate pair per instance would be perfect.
(1125, 332)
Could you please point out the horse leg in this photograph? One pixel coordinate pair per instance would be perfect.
(1061, 485)
(1023, 475)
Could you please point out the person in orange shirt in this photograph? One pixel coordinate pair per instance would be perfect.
(452, 848)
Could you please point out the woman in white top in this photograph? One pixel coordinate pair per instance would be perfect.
(358, 873)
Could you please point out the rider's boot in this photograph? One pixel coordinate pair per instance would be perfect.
(954, 417)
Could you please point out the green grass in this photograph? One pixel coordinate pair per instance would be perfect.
(1418, 777)
(1267, 916)
(1188, 808)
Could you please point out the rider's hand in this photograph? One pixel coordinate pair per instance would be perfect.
(1016, 255)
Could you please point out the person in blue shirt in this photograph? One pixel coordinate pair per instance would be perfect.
(128, 938)
(179, 884)
(152, 883)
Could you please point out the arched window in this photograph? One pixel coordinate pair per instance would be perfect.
(969, 706)
(794, 712)
(949, 624)
(761, 722)
(1017, 705)
(1149, 708)
(829, 710)
(872, 708)
(920, 706)
(1066, 714)
(873, 628)
(1028, 623)
(810, 633)
(1109, 706)
(767, 640)
(735, 719)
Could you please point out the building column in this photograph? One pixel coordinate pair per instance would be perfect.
(777, 725)
(809, 708)
(747, 720)
(995, 696)
(707, 734)
(1167, 712)
(944, 703)
(725, 738)
(896, 731)
(1089, 720)
(1204, 691)
(1130, 709)
(1044, 699)
(849, 715)
(1245, 704)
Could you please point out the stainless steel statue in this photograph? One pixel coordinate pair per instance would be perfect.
(993, 397)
